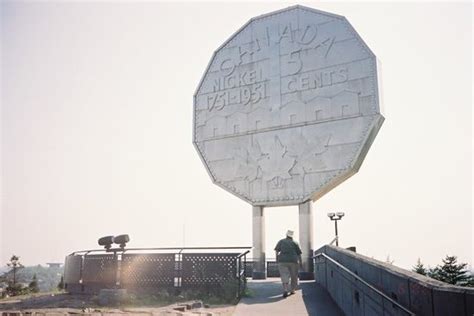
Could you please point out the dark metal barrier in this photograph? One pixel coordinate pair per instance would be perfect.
(73, 273)
(99, 272)
(155, 269)
(208, 269)
(248, 269)
(271, 267)
(147, 271)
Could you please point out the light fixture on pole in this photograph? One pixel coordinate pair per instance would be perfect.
(335, 217)
(120, 240)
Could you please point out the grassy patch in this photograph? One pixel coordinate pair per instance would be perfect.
(158, 299)
(32, 295)
(225, 294)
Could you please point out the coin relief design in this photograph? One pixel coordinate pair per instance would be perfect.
(287, 108)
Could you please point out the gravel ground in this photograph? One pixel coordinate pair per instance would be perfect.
(68, 304)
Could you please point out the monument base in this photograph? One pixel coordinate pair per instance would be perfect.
(259, 275)
(306, 275)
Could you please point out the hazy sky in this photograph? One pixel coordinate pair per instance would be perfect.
(97, 131)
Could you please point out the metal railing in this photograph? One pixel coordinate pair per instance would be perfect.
(241, 272)
(358, 278)
(271, 268)
(181, 249)
(141, 269)
(334, 240)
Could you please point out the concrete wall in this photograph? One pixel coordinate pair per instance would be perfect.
(419, 294)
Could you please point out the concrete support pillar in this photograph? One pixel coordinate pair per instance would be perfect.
(258, 233)
(306, 239)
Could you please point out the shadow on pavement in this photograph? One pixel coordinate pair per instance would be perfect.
(266, 292)
(318, 301)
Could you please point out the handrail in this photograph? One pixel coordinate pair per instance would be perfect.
(334, 240)
(364, 282)
(163, 248)
(243, 254)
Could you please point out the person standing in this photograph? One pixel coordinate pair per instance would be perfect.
(288, 255)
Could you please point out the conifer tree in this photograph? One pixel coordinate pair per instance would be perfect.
(451, 272)
(15, 265)
(420, 268)
(61, 283)
(33, 286)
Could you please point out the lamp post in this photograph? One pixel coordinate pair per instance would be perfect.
(335, 217)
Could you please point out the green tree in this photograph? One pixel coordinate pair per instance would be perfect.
(15, 265)
(420, 268)
(433, 273)
(451, 272)
(48, 278)
(470, 283)
(15, 289)
(33, 286)
(61, 284)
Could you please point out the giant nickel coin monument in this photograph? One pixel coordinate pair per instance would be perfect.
(286, 110)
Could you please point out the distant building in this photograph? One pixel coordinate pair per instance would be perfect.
(54, 265)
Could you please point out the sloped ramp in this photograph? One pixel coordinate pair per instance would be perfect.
(266, 299)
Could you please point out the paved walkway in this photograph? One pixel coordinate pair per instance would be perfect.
(266, 299)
